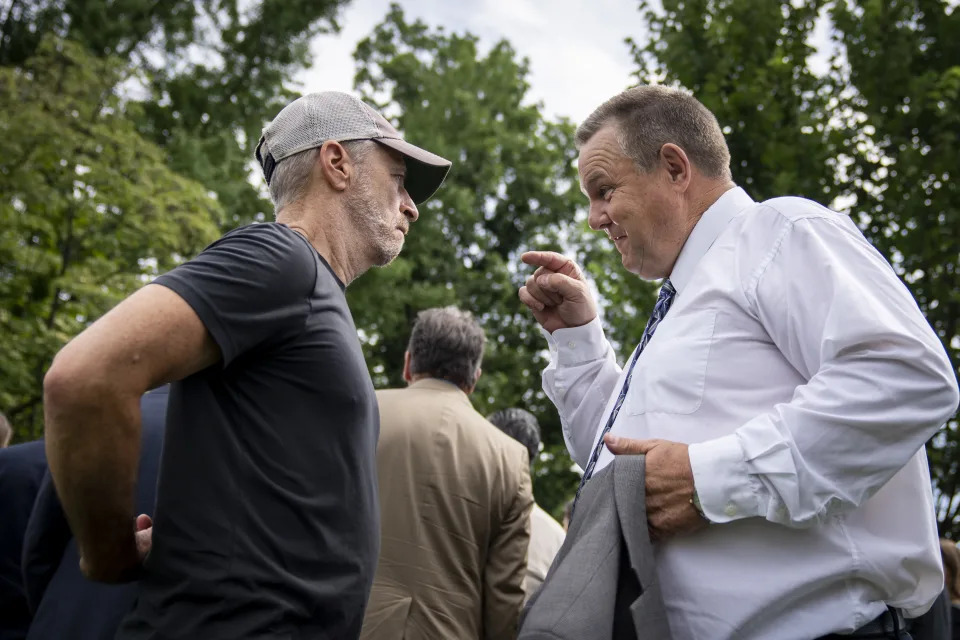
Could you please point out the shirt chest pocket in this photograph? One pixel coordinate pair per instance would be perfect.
(671, 373)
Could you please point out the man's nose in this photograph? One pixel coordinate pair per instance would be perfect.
(408, 208)
(597, 216)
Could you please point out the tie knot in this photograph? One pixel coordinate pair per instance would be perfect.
(667, 290)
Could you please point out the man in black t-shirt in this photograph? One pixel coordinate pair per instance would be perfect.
(266, 521)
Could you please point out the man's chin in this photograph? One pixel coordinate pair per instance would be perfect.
(630, 264)
(388, 255)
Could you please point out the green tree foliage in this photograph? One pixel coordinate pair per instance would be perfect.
(904, 61)
(197, 82)
(513, 187)
(89, 211)
(746, 60)
(877, 132)
(210, 73)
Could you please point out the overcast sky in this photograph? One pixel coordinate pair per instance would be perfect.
(575, 47)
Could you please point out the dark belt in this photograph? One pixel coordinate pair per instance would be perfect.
(890, 624)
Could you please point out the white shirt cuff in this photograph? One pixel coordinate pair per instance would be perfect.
(577, 345)
(724, 485)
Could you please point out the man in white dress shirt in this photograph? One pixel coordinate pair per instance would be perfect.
(783, 392)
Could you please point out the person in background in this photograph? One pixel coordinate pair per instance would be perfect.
(567, 513)
(546, 534)
(63, 603)
(6, 432)
(267, 517)
(21, 471)
(937, 622)
(455, 498)
(951, 578)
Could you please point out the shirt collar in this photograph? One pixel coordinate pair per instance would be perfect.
(713, 221)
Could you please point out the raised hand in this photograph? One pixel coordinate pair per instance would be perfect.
(557, 293)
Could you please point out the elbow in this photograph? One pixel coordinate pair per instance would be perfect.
(69, 385)
(924, 380)
(951, 400)
(61, 387)
(944, 394)
(81, 382)
(939, 405)
(58, 383)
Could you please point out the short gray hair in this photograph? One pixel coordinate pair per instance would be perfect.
(292, 174)
(447, 343)
(521, 425)
(648, 117)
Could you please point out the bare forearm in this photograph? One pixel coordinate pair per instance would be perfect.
(92, 411)
(93, 447)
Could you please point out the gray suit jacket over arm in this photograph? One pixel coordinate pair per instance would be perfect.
(603, 582)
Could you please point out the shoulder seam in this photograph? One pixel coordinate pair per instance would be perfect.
(308, 297)
(754, 282)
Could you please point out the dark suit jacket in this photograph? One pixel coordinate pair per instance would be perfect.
(455, 501)
(21, 470)
(603, 583)
(66, 604)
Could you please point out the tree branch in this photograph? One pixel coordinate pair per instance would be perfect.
(125, 53)
(4, 31)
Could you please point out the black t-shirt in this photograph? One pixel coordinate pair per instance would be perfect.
(267, 518)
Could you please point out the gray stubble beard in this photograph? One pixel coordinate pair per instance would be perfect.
(374, 236)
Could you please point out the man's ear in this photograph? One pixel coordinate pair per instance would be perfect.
(335, 165)
(406, 367)
(677, 165)
(476, 379)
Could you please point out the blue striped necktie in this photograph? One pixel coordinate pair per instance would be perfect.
(665, 299)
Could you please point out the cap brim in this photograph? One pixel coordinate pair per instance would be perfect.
(425, 170)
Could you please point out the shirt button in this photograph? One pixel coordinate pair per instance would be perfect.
(731, 509)
(572, 344)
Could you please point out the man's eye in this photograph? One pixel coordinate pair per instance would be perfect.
(604, 192)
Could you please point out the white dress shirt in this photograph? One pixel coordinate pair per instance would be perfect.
(806, 380)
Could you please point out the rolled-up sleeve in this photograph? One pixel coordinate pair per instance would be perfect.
(879, 384)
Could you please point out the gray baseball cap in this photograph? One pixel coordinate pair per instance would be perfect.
(311, 120)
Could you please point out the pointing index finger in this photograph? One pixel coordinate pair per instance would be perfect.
(553, 261)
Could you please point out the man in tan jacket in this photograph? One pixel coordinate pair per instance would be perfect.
(455, 498)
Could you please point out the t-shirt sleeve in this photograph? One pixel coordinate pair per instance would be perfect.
(250, 288)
